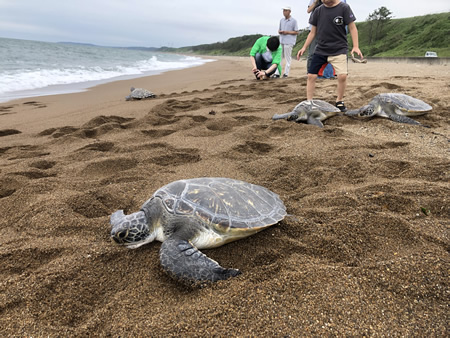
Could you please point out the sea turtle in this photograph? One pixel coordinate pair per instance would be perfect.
(310, 111)
(199, 213)
(139, 94)
(396, 107)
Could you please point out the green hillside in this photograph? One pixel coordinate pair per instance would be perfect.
(408, 37)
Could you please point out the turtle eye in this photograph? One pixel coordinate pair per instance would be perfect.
(120, 236)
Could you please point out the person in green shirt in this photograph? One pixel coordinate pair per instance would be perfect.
(265, 56)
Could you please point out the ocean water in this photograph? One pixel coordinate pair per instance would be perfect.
(33, 68)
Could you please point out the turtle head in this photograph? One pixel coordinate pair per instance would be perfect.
(130, 230)
(366, 111)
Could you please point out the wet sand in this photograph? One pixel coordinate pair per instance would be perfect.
(364, 252)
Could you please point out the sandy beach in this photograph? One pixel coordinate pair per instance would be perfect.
(365, 250)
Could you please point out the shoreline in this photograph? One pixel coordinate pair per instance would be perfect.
(78, 87)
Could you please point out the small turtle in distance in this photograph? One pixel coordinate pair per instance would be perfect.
(199, 213)
(139, 94)
(310, 112)
(396, 107)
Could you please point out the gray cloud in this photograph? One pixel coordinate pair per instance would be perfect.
(174, 23)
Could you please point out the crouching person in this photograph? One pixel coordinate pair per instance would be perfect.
(265, 57)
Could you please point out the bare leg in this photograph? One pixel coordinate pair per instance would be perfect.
(311, 86)
(342, 84)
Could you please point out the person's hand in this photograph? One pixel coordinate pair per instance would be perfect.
(300, 53)
(282, 32)
(357, 51)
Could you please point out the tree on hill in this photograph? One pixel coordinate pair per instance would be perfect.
(377, 21)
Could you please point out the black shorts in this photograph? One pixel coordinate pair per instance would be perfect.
(339, 63)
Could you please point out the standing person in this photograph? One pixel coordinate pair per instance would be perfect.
(313, 4)
(265, 56)
(288, 31)
(328, 27)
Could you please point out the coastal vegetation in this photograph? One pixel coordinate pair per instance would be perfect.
(380, 35)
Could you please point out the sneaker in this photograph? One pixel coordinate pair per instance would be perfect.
(285, 76)
(341, 106)
(275, 76)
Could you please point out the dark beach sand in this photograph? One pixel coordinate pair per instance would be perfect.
(366, 251)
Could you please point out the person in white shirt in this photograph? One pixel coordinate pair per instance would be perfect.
(288, 31)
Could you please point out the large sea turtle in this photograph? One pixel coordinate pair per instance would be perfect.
(396, 107)
(199, 213)
(139, 94)
(311, 112)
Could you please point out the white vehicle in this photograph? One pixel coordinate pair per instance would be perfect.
(431, 55)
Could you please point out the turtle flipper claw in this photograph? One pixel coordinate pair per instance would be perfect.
(184, 261)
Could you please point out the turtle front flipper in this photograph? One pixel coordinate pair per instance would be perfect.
(184, 261)
(314, 121)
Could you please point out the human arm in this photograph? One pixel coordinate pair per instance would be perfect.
(354, 34)
(253, 61)
(312, 6)
(309, 39)
(288, 32)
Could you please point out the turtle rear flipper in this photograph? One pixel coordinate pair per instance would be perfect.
(184, 261)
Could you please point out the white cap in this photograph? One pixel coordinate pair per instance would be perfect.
(287, 8)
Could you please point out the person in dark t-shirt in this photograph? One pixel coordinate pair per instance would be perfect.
(328, 27)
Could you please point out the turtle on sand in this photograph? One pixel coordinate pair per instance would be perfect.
(311, 112)
(139, 94)
(199, 213)
(396, 107)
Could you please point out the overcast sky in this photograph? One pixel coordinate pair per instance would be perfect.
(173, 23)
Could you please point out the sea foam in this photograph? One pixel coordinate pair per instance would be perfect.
(32, 65)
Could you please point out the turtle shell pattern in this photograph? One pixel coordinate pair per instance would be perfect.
(223, 204)
(140, 93)
(317, 105)
(405, 103)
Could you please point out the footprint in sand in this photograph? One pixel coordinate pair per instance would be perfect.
(246, 119)
(393, 168)
(157, 133)
(109, 166)
(223, 124)
(252, 147)
(98, 146)
(7, 132)
(5, 110)
(93, 204)
(25, 151)
(178, 157)
(97, 126)
(386, 85)
(389, 145)
(34, 174)
(18, 261)
(43, 164)
(35, 104)
(8, 186)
